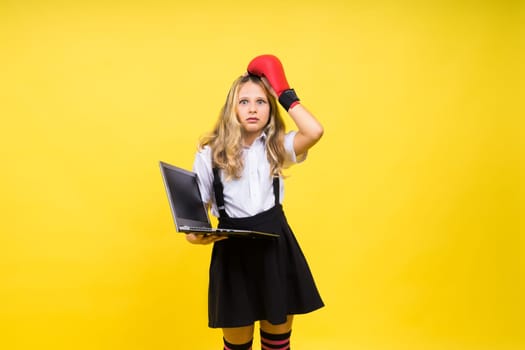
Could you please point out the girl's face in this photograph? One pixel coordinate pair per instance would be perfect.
(253, 110)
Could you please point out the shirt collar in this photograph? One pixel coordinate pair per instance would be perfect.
(261, 139)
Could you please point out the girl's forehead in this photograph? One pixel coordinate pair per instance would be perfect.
(251, 88)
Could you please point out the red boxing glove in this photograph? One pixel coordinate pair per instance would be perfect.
(271, 68)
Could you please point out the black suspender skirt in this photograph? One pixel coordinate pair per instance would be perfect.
(258, 279)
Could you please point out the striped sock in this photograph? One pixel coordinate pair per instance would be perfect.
(229, 346)
(275, 341)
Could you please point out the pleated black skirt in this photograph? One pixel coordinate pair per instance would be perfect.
(259, 279)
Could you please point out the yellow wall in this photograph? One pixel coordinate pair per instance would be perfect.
(410, 210)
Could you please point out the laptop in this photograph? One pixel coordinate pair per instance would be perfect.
(189, 211)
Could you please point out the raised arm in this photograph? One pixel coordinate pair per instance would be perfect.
(309, 128)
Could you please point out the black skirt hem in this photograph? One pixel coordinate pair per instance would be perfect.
(273, 321)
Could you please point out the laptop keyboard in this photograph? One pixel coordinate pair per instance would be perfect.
(197, 229)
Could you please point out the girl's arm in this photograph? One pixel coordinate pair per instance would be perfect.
(309, 129)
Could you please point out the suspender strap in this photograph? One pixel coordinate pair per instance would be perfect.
(276, 189)
(219, 196)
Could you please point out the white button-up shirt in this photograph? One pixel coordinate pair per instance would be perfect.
(252, 193)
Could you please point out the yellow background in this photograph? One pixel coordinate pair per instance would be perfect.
(410, 209)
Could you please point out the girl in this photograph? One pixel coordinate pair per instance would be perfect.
(239, 166)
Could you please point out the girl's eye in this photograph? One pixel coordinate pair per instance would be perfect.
(243, 102)
(261, 102)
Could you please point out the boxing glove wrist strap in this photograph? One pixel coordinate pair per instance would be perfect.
(288, 98)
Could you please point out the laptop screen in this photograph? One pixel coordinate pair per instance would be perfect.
(185, 198)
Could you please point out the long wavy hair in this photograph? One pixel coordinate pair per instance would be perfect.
(225, 140)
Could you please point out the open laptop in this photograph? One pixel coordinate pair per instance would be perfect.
(189, 211)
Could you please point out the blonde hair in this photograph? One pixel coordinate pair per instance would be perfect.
(225, 140)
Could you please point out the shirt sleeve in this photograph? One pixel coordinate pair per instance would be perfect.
(202, 167)
(291, 157)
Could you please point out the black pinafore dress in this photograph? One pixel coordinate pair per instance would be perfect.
(255, 279)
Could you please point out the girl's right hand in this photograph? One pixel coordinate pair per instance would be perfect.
(203, 239)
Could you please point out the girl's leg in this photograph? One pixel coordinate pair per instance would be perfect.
(238, 338)
(276, 337)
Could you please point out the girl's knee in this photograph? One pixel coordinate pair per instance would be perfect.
(238, 335)
(277, 328)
